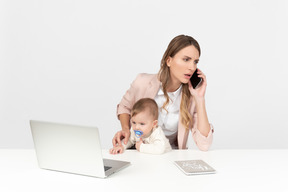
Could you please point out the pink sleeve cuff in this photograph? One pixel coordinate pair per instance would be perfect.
(202, 141)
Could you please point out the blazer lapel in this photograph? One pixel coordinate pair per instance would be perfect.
(153, 88)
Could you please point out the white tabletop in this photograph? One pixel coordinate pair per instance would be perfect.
(237, 170)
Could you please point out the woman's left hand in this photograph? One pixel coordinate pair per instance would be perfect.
(199, 92)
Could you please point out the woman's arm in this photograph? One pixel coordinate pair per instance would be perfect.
(203, 124)
(125, 121)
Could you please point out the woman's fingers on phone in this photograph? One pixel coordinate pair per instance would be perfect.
(201, 74)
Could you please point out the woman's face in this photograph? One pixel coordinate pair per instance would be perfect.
(183, 64)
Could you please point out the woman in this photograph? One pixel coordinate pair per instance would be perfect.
(181, 107)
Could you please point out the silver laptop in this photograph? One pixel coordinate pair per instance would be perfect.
(71, 149)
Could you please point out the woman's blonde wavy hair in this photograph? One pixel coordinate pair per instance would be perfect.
(173, 48)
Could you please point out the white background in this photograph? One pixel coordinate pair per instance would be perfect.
(72, 61)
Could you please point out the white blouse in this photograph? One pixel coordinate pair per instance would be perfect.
(169, 120)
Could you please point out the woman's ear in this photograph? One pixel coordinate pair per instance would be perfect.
(168, 61)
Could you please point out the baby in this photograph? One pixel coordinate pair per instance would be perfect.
(145, 133)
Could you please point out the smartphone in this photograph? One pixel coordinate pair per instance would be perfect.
(195, 80)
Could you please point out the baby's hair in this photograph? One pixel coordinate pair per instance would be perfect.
(145, 104)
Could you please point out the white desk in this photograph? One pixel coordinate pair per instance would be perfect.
(237, 170)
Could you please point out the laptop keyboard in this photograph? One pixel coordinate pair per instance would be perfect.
(107, 168)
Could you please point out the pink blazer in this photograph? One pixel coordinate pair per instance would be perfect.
(147, 85)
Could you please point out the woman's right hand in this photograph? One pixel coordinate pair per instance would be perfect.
(120, 135)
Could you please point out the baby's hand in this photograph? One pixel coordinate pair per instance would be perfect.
(117, 149)
(138, 144)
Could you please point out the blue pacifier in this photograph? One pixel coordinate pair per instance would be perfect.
(138, 133)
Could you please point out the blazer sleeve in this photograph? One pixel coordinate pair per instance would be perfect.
(128, 99)
(202, 142)
(136, 91)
